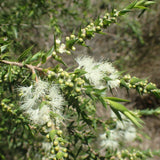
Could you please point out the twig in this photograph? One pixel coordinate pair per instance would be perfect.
(22, 65)
(32, 68)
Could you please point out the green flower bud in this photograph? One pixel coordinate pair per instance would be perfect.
(73, 36)
(67, 83)
(80, 40)
(92, 24)
(67, 38)
(64, 149)
(60, 70)
(52, 151)
(56, 148)
(83, 35)
(101, 24)
(70, 84)
(65, 155)
(59, 132)
(98, 28)
(78, 89)
(73, 48)
(47, 136)
(56, 143)
(49, 124)
(68, 52)
(60, 81)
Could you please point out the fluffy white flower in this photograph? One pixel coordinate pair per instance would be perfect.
(40, 88)
(124, 131)
(108, 142)
(97, 71)
(56, 98)
(130, 134)
(114, 82)
(43, 98)
(39, 116)
(26, 91)
(47, 146)
(28, 104)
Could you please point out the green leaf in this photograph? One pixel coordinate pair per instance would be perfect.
(36, 56)
(137, 121)
(123, 83)
(59, 155)
(149, 3)
(44, 58)
(141, 7)
(140, 3)
(117, 113)
(117, 106)
(132, 5)
(79, 72)
(4, 47)
(117, 99)
(15, 32)
(134, 80)
(24, 54)
(52, 134)
(34, 76)
(4, 55)
(124, 11)
(27, 60)
(5, 100)
(103, 101)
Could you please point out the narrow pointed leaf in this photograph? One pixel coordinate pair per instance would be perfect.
(117, 106)
(24, 54)
(117, 99)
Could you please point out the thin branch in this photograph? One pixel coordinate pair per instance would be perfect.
(33, 68)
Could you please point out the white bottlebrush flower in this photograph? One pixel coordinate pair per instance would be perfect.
(28, 103)
(43, 99)
(56, 102)
(26, 91)
(39, 116)
(56, 98)
(97, 71)
(114, 82)
(108, 142)
(124, 131)
(40, 88)
(47, 146)
(130, 134)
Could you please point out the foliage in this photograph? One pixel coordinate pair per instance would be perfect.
(51, 112)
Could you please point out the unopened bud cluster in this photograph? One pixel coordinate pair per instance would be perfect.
(11, 109)
(133, 155)
(142, 86)
(57, 149)
(68, 81)
(85, 33)
(11, 73)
